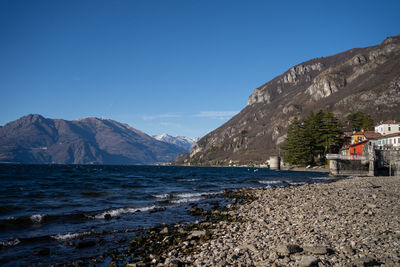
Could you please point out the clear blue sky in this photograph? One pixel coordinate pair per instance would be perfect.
(180, 67)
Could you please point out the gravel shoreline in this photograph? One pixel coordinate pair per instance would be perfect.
(349, 222)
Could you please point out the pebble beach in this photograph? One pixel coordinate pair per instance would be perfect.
(348, 222)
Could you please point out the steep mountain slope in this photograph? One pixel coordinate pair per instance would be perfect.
(360, 79)
(182, 141)
(35, 139)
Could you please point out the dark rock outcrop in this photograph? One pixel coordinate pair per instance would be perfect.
(35, 139)
(360, 79)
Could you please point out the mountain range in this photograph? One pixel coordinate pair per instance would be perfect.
(182, 141)
(35, 139)
(360, 79)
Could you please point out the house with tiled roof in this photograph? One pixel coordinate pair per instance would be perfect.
(364, 135)
(358, 140)
(389, 140)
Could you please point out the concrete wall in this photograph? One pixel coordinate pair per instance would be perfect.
(378, 162)
(387, 161)
(352, 167)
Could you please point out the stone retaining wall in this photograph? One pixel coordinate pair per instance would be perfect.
(387, 162)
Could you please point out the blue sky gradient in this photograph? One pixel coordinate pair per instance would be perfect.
(179, 67)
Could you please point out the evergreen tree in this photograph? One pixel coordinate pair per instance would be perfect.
(313, 124)
(298, 144)
(331, 133)
(312, 140)
(359, 121)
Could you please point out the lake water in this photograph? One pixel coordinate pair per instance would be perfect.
(57, 207)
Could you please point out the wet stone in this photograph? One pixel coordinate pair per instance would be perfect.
(164, 231)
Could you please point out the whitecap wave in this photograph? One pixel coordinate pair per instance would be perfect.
(295, 183)
(269, 182)
(37, 218)
(163, 196)
(10, 242)
(201, 194)
(186, 200)
(68, 236)
(187, 180)
(120, 211)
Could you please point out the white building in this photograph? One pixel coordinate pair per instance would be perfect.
(390, 140)
(388, 127)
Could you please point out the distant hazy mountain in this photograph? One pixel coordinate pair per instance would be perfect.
(181, 141)
(35, 139)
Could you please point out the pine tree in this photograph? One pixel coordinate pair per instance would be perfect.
(318, 135)
(298, 144)
(313, 124)
(360, 120)
(331, 133)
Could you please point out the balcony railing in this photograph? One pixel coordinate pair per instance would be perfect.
(347, 157)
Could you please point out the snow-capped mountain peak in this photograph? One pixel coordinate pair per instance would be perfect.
(181, 141)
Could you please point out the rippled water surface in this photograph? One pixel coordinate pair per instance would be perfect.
(59, 206)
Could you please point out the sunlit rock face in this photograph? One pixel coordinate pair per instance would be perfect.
(360, 79)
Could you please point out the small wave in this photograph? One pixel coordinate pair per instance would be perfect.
(322, 178)
(189, 195)
(187, 180)
(201, 194)
(163, 196)
(120, 211)
(10, 242)
(295, 183)
(186, 200)
(180, 197)
(69, 235)
(269, 182)
(37, 218)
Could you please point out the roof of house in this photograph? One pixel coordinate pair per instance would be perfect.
(391, 135)
(359, 143)
(369, 134)
(388, 122)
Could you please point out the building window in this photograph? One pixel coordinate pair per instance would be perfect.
(394, 141)
(389, 129)
(390, 141)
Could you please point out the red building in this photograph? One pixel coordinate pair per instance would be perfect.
(356, 150)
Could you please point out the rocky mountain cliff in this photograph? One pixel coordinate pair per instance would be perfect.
(35, 139)
(360, 79)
